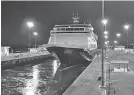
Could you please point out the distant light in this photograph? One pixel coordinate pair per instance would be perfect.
(105, 32)
(106, 37)
(35, 33)
(115, 42)
(107, 41)
(118, 34)
(104, 21)
(30, 24)
(126, 27)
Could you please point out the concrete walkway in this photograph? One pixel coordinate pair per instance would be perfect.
(87, 83)
(122, 83)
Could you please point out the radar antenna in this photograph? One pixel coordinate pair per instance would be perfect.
(75, 18)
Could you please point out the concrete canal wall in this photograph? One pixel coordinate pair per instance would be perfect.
(23, 58)
(88, 81)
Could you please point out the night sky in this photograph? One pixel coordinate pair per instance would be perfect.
(45, 14)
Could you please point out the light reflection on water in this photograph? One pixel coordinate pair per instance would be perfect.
(55, 65)
(37, 79)
(32, 84)
(29, 79)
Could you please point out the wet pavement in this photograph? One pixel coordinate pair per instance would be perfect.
(38, 79)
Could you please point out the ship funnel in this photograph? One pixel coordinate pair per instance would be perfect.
(75, 18)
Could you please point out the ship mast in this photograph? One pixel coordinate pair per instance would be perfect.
(75, 18)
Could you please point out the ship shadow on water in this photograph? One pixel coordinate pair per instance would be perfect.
(66, 75)
(73, 62)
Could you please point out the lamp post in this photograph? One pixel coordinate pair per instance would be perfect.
(118, 36)
(35, 34)
(30, 25)
(126, 28)
(104, 22)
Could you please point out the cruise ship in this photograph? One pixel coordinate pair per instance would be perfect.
(73, 43)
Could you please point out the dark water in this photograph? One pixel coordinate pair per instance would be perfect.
(39, 79)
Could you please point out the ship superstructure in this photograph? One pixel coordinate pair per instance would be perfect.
(73, 43)
(74, 35)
